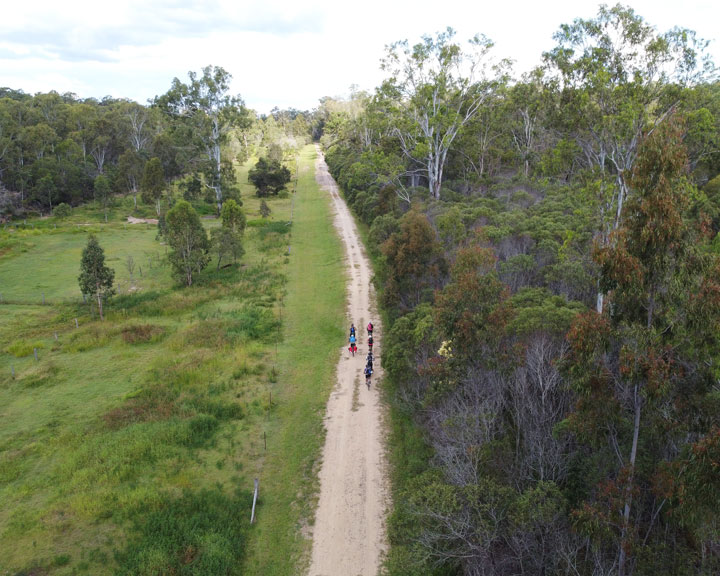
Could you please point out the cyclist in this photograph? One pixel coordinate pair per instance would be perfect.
(352, 329)
(370, 342)
(353, 347)
(370, 328)
(368, 373)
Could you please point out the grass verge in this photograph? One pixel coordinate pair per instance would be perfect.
(313, 319)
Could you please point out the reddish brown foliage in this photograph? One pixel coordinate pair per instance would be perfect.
(618, 267)
(138, 333)
(474, 309)
(414, 261)
(588, 333)
(146, 407)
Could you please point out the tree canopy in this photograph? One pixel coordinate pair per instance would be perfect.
(433, 90)
(554, 381)
(269, 177)
(211, 112)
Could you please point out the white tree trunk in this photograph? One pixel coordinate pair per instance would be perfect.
(99, 300)
(216, 161)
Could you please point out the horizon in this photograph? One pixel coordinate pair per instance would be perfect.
(280, 55)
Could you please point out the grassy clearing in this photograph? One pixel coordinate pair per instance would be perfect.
(47, 261)
(314, 319)
(128, 446)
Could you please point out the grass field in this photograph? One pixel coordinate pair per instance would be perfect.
(130, 445)
(47, 261)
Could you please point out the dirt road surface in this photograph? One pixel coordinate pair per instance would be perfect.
(349, 536)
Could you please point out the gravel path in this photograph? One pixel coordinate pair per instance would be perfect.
(349, 535)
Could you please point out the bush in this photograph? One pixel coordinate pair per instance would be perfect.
(62, 560)
(144, 405)
(62, 211)
(40, 374)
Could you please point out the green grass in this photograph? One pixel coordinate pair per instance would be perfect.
(154, 417)
(38, 262)
(209, 521)
(314, 320)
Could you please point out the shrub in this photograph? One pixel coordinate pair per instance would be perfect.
(62, 211)
(40, 374)
(62, 560)
(144, 405)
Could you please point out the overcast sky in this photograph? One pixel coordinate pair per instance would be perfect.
(280, 52)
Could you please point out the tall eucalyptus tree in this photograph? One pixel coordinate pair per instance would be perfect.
(434, 89)
(206, 104)
(612, 72)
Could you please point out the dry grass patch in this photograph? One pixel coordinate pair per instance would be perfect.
(142, 333)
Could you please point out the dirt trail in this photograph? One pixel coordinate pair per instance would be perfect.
(349, 536)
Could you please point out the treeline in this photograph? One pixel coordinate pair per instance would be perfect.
(548, 261)
(54, 147)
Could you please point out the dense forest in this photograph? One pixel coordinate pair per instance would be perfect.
(60, 149)
(548, 264)
(548, 261)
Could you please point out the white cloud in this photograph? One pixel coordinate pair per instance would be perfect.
(280, 53)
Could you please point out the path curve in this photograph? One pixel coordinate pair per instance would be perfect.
(349, 536)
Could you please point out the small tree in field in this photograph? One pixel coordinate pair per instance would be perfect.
(227, 242)
(130, 166)
(189, 242)
(228, 238)
(269, 177)
(95, 278)
(233, 217)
